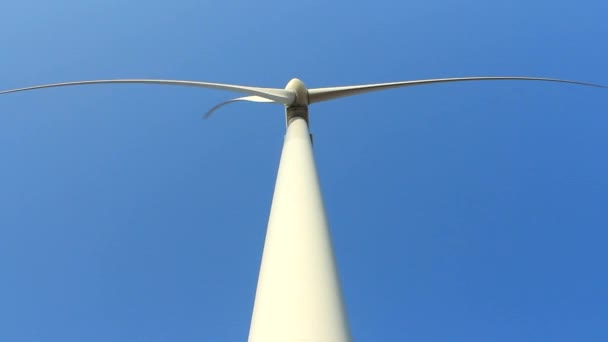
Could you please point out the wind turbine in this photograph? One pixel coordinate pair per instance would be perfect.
(298, 296)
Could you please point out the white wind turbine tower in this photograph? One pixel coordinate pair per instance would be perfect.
(298, 296)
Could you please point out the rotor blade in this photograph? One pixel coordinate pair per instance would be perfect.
(324, 94)
(246, 98)
(277, 95)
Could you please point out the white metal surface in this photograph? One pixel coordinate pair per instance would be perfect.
(298, 297)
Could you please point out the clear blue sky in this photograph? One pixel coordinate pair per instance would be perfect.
(459, 212)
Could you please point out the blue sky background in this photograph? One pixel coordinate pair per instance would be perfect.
(459, 212)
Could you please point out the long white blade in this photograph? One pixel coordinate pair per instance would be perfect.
(246, 98)
(277, 95)
(325, 94)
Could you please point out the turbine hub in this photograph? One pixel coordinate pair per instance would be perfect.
(299, 107)
(300, 90)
